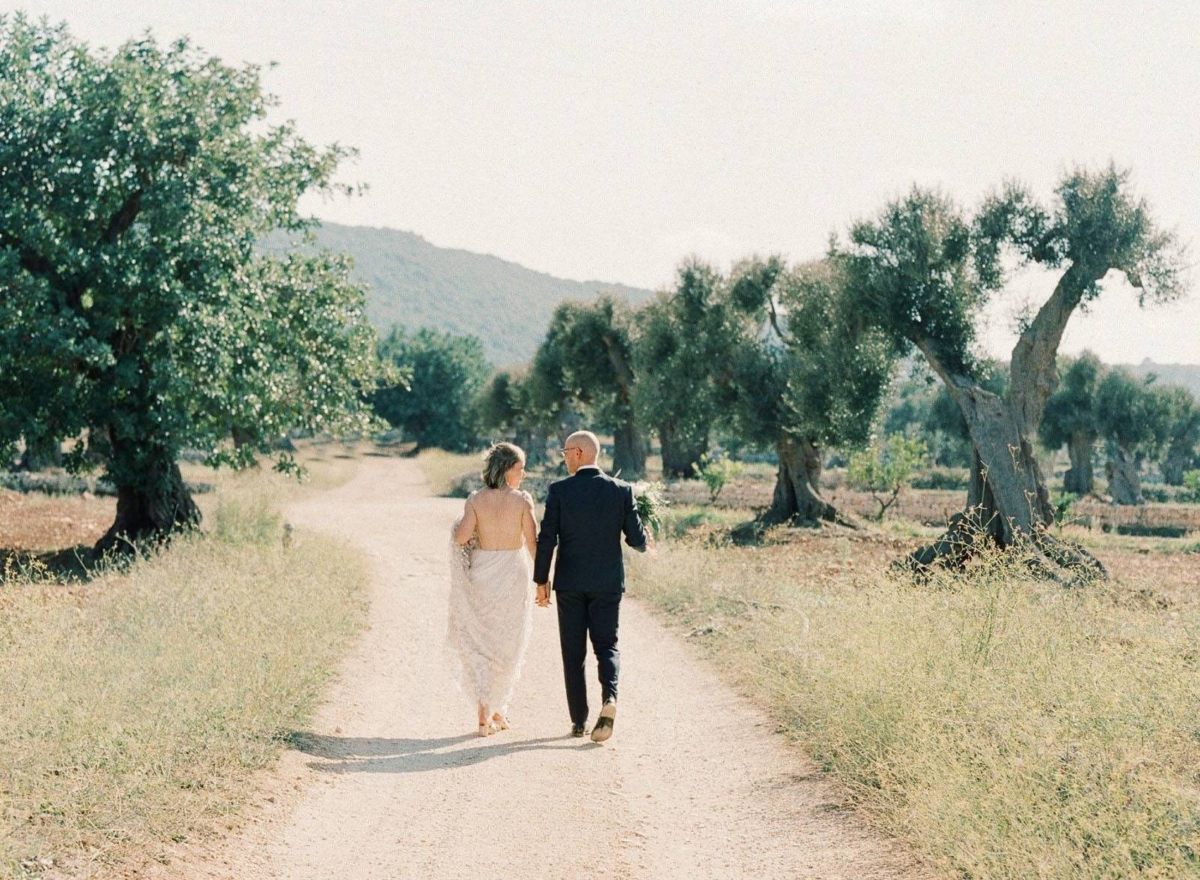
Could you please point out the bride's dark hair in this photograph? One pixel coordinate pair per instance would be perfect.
(497, 461)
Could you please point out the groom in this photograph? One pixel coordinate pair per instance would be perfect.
(586, 514)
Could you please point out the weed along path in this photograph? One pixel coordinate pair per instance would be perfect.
(393, 783)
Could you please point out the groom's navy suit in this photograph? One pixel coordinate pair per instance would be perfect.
(586, 516)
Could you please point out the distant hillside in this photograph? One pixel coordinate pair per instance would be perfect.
(1187, 375)
(415, 284)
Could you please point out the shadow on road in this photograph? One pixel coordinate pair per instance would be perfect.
(351, 754)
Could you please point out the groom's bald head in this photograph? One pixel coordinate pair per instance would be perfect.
(588, 446)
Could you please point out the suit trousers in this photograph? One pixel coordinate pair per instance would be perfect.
(580, 614)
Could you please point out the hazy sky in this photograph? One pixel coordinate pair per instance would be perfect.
(608, 140)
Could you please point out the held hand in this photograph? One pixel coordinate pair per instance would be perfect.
(542, 599)
(651, 547)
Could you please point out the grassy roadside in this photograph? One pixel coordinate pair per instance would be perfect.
(444, 471)
(1005, 727)
(137, 704)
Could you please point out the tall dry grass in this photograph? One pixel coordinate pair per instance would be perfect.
(1006, 727)
(135, 706)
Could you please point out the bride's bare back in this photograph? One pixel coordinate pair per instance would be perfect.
(503, 519)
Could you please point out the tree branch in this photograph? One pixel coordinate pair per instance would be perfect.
(123, 218)
(773, 316)
(32, 262)
(620, 364)
(39, 266)
(1033, 369)
(956, 383)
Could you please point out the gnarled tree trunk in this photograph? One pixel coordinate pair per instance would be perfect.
(1079, 477)
(680, 454)
(797, 494)
(1176, 462)
(630, 448)
(1124, 482)
(153, 502)
(533, 441)
(630, 444)
(1008, 502)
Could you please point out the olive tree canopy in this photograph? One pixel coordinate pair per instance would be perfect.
(1070, 419)
(436, 405)
(585, 363)
(683, 335)
(1133, 416)
(806, 373)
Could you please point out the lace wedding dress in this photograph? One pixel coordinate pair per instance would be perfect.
(491, 617)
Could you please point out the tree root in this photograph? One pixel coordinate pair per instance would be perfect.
(827, 514)
(954, 549)
(1083, 566)
(753, 532)
(967, 535)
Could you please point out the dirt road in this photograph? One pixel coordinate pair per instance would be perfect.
(393, 783)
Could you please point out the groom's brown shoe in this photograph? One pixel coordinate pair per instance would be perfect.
(604, 724)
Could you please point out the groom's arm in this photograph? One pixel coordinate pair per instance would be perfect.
(635, 532)
(547, 540)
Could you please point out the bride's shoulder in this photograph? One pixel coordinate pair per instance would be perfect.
(519, 498)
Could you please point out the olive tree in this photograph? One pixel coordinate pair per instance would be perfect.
(507, 404)
(594, 345)
(886, 468)
(137, 312)
(548, 393)
(1071, 420)
(925, 270)
(920, 406)
(683, 334)
(1134, 418)
(435, 406)
(807, 373)
(1183, 435)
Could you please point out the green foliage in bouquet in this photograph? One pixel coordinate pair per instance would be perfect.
(651, 502)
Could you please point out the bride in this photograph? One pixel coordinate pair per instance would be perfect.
(491, 586)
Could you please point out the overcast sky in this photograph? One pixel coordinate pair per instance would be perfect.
(608, 140)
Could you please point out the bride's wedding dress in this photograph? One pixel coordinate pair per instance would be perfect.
(491, 617)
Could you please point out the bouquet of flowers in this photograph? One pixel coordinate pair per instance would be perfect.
(651, 502)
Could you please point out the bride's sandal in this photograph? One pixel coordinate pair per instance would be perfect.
(500, 721)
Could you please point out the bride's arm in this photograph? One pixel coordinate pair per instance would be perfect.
(465, 527)
(529, 525)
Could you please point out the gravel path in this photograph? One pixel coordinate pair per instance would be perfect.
(393, 783)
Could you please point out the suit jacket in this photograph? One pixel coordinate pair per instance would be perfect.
(586, 515)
